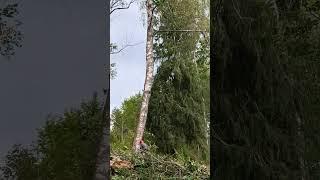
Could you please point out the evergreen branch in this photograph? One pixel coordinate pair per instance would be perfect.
(225, 143)
(167, 162)
(238, 13)
(315, 15)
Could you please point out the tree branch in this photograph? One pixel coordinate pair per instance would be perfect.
(115, 7)
(314, 15)
(182, 30)
(124, 47)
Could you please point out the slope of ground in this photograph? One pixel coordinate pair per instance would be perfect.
(150, 165)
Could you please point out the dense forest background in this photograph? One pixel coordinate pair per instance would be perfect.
(177, 124)
(265, 91)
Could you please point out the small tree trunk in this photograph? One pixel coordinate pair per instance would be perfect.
(148, 79)
(102, 171)
(103, 157)
(301, 158)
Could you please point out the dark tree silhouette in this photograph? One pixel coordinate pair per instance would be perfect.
(10, 34)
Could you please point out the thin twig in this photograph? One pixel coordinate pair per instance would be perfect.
(182, 30)
(124, 47)
(120, 8)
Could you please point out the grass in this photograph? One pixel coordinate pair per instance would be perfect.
(155, 166)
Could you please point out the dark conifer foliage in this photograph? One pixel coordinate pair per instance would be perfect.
(178, 114)
(10, 33)
(259, 107)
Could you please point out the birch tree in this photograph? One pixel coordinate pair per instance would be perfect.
(103, 157)
(152, 30)
(148, 78)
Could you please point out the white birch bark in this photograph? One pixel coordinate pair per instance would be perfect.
(148, 79)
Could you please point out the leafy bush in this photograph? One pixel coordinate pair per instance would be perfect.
(66, 148)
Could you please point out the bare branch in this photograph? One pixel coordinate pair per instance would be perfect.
(118, 5)
(114, 3)
(182, 30)
(124, 47)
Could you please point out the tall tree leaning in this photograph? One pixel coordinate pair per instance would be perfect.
(148, 80)
(103, 155)
(102, 165)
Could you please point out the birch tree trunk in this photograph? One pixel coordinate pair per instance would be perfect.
(148, 79)
(102, 171)
(103, 157)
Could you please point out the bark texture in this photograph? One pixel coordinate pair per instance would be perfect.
(148, 79)
(103, 155)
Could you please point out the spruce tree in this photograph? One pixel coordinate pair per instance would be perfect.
(257, 107)
(179, 104)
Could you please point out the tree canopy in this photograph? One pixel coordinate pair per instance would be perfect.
(10, 33)
(259, 102)
(124, 120)
(179, 105)
(66, 147)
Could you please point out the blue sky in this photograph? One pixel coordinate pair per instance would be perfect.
(127, 28)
